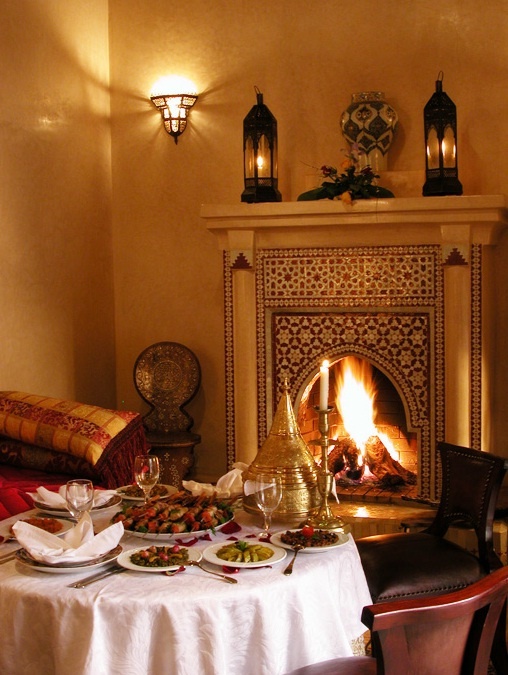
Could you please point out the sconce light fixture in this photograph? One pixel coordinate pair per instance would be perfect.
(174, 97)
(440, 124)
(260, 154)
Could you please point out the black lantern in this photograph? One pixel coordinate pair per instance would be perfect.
(260, 154)
(440, 123)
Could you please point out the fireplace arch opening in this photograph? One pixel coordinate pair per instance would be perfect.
(374, 444)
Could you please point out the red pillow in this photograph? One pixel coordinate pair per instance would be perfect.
(13, 501)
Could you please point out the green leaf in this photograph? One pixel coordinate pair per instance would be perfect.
(313, 195)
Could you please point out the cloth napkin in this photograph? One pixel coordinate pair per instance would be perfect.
(57, 499)
(78, 545)
(229, 485)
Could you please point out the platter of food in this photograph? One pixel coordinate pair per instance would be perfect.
(133, 493)
(180, 515)
(62, 510)
(313, 540)
(244, 554)
(24, 558)
(158, 558)
(55, 526)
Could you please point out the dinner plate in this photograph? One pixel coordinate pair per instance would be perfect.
(23, 557)
(5, 530)
(171, 489)
(177, 535)
(60, 511)
(276, 539)
(124, 559)
(210, 555)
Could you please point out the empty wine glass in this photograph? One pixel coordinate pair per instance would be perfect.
(79, 495)
(268, 493)
(146, 473)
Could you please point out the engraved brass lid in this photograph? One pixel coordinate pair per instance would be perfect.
(285, 453)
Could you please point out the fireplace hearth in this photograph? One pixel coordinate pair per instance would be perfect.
(402, 284)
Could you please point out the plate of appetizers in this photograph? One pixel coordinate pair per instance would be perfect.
(158, 558)
(133, 493)
(244, 554)
(55, 526)
(312, 539)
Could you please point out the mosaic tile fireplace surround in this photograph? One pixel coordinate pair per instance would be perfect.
(404, 283)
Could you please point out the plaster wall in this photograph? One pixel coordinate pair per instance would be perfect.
(56, 280)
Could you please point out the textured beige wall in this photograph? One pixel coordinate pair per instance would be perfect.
(307, 58)
(58, 318)
(56, 283)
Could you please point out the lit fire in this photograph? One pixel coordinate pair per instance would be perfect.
(355, 400)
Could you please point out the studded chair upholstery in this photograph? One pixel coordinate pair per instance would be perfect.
(450, 634)
(421, 564)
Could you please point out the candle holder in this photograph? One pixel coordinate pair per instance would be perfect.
(324, 518)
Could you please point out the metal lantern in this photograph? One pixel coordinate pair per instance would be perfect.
(440, 123)
(260, 154)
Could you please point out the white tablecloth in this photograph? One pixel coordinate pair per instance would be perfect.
(191, 624)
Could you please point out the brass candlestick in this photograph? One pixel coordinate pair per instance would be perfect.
(324, 518)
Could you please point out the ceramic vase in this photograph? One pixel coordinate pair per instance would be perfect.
(370, 122)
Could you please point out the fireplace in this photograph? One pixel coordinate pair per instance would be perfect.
(404, 284)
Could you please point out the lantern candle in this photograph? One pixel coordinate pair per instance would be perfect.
(323, 386)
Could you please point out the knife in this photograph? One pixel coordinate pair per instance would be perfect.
(96, 577)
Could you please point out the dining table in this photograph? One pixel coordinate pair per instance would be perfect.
(192, 623)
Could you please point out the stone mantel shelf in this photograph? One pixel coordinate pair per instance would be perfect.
(424, 220)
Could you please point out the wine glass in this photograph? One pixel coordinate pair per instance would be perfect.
(267, 493)
(146, 473)
(79, 495)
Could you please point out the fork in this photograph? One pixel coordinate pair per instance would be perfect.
(195, 563)
(289, 568)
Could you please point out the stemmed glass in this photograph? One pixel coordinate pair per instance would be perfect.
(268, 494)
(79, 495)
(146, 473)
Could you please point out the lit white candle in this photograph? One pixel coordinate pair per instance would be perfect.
(324, 386)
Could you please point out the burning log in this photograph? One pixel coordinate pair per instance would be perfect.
(344, 459)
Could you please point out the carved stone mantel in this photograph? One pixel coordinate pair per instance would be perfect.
(463, 228)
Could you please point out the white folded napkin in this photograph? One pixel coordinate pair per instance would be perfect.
(229, 485)
(57, 499)
(78, 545)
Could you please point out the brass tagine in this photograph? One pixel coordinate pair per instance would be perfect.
(285, 453)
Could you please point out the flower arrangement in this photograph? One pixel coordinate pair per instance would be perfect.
(353, 183)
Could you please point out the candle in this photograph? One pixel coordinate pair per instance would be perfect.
(323, 386)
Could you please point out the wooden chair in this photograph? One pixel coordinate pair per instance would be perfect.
(167, 376)
(450, 634)
(422, 564)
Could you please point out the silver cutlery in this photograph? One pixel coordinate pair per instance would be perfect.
(289, 568)
(9, 556)
(195, 563)
(97, 577)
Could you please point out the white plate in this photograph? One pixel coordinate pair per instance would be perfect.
(171, 489)
(178, 535)
(209, 554)
(24, 558)
(124, 560)
(276, 539)
(5, 530)
(60, 511)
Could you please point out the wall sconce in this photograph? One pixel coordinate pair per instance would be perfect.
(440, 124)
(174, 97)
(260, 154)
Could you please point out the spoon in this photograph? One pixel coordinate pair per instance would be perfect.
(289, 568)
(195, 563)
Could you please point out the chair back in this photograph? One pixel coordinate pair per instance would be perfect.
(449, 634)
(471, 481)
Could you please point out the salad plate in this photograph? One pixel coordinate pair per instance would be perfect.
(124, 560)
(62, 510)
(166, 536)
(210, 555)
(24, 558)
(131, 492)
(342, 539)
